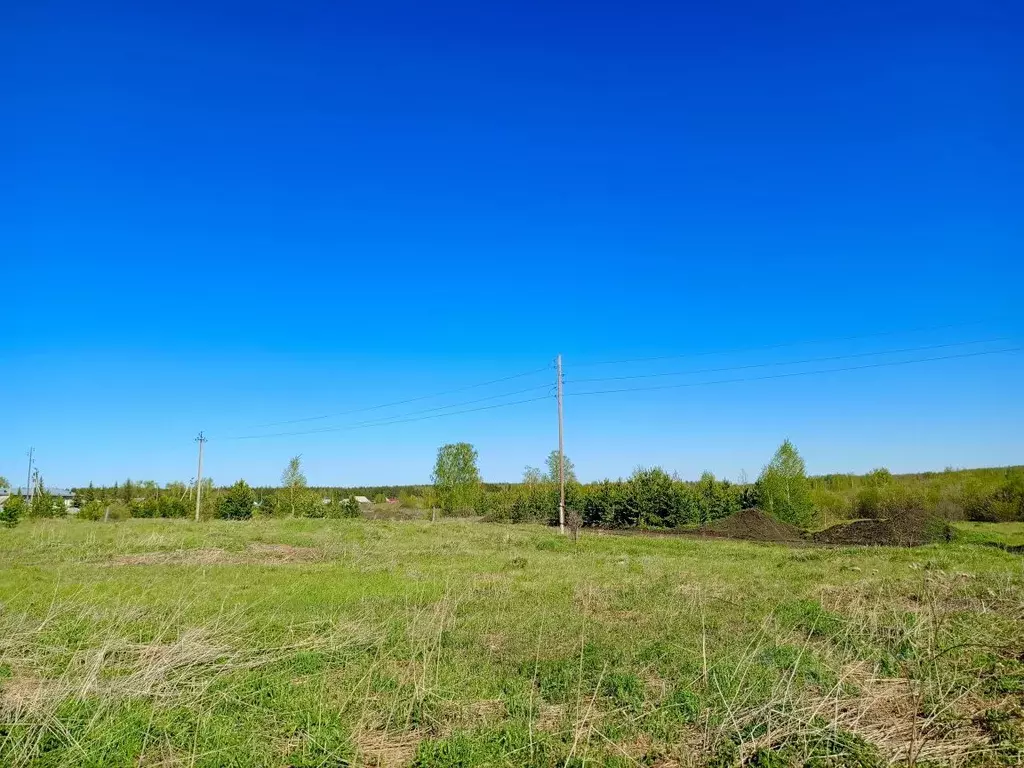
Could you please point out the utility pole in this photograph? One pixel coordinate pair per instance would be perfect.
(561, 451)
(199, 476)
(28, 480)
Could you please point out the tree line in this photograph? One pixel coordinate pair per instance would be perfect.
(649, 498)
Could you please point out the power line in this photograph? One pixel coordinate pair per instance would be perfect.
(404, 402)
(786, 362)
(777, 346)
(385, 423)
(795, 373)
(423, 410)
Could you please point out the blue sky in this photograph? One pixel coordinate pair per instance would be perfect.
(218, 216)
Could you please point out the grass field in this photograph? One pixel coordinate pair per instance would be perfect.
(326, 643)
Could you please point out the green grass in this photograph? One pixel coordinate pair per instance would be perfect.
(351, 642)
(997, 534)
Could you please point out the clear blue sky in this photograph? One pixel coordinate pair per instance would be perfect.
(218, 216)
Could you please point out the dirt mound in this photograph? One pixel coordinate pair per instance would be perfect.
(752, 525)
(912, 528)
(859, 532)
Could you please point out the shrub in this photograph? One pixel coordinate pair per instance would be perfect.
(97, 510)
(830, 506)
(880, 502)
(652, 500)
(44, 504)
(977, 502)
(349, 508)
(713, 499)
(409, 500)
(12, 511)
(173, 505)
(237, 503)
(92, 510)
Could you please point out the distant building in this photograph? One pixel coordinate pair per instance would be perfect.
(392, 500)
(363, 500)
(65, 495)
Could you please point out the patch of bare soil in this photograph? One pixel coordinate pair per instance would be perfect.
(752, 525)
(257, 554)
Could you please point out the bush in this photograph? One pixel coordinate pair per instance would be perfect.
(237, 503)
(652, 500)
(884, 501)
(97, 510)
(12, 511)
(91, 510)
(349, 508)
(977, 502)
(830, 506)
(44, 504)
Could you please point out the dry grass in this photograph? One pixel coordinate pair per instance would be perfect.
(378, 749)
(255, 554)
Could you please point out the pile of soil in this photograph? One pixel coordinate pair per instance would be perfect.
(859, 532)
(752, 525)
(911, 528)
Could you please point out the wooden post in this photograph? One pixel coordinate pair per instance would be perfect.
(561, 451)
(199, 478)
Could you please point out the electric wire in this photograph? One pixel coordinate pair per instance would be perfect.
(402, 402)
(385, 423)
(793, 374)
(786, 362)
(776, 346)
(426, 410)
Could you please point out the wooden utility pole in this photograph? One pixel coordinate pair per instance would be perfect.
(199, 476)
(28, 480)
(561, 451)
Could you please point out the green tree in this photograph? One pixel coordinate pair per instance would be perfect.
(3, 482)
(552, 475)
(456, 477)
(293, 481)
(237, 503)
(350, 507)
(94, 509)
(532, 476)
(12, 510)
(783, 487)
(45, 504)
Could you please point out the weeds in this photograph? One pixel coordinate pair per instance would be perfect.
(348, 642)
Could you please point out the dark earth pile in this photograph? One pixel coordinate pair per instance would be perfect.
(857, 532)
(910, 529)
(752, 525)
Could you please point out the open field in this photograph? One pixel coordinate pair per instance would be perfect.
(352, 642)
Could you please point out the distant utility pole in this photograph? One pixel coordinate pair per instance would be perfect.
(199, 476)
(561, 452)
(28, 481)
